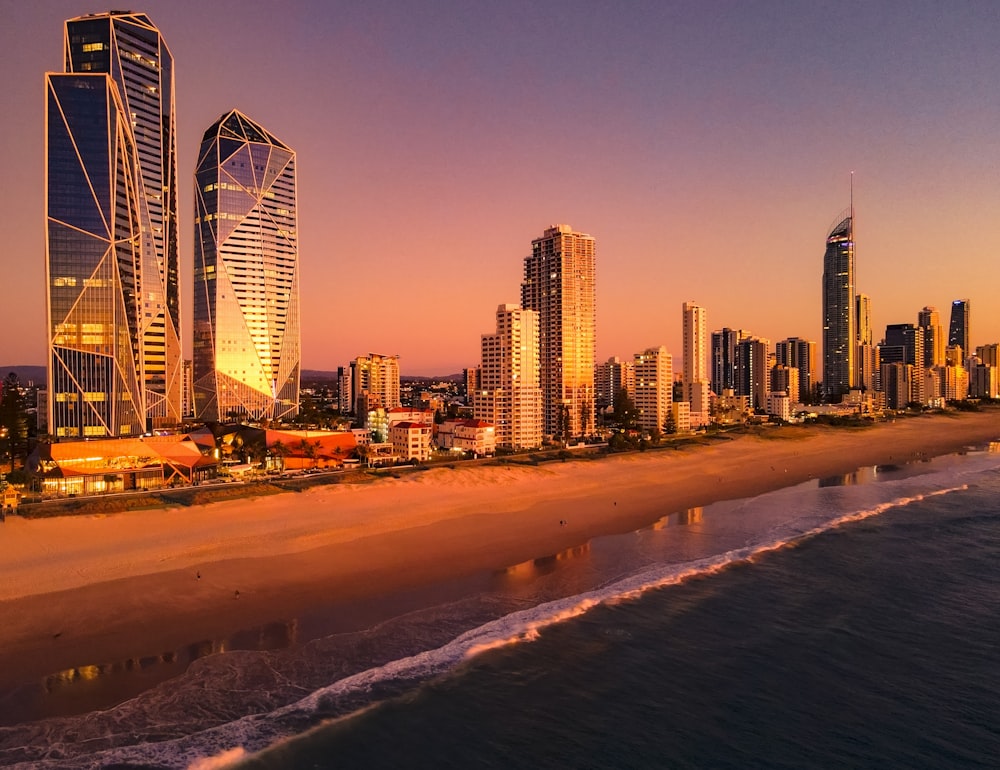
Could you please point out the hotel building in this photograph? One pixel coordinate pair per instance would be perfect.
(246, 277)
(559, 286)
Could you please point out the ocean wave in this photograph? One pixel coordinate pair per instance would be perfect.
(227, 744)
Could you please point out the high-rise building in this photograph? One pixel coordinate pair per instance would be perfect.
(840, 337)
(128, 47)
(374, 384)
(509, 395)
(800, 354)
(929, 321)
(753, 371)
(654, 381)
(695, 328)
(989, 355)
(724, 344)
(93, 261)
(958, 331)
(559, 286)
(864, 357)
(246, 274)
(610, 378)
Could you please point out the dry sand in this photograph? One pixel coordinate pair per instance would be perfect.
(94, 588)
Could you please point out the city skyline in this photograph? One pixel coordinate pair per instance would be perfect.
(425, 145)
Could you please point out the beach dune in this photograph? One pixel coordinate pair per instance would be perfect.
(83, 589)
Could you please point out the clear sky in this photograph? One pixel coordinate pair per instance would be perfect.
(706, 145)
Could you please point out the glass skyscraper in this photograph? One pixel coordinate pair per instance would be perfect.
(130, 49)
(93, 260)
(246, 284)
(839, 330)
(958, 330)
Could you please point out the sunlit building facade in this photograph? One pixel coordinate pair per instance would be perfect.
(93, 261)
(929, 321)
(246, 275)
(654, 380)
(509, 396)
(559, 286)
(128, 47)
(374, 383)
(840, 337)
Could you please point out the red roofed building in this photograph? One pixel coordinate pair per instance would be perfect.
(475, 436)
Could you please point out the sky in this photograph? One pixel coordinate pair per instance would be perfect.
(707, 146)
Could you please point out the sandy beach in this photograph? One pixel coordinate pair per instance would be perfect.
(85, 589)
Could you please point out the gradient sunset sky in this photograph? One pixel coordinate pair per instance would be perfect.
(707, 147)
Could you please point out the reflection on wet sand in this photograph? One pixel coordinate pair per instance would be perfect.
(534, 568)
(132, 675)
(860, 476)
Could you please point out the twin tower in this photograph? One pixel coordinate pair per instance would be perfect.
(115, 365)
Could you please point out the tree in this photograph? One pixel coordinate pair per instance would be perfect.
(13, 421)
(669, 426)
(625, 413)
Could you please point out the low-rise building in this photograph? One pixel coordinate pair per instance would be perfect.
(475, 436)
(411, 440)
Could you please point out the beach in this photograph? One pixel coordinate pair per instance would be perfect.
(86, 589)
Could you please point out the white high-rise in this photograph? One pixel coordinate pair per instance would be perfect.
(654, 384)
(509, 395)
(695, 363)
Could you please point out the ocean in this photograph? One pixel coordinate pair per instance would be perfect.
(845, 622)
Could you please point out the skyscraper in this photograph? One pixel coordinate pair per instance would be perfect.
(559, 286)
(839, 330)
(929, 321)
(246, 295)
(864, 358)
(958, 331)
(93, 261)
(724, 344)
(800, 354)
(509, 395)
(128, 47)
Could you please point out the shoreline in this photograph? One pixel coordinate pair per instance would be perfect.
(91, 589)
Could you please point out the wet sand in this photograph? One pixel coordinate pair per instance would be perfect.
(99, 588)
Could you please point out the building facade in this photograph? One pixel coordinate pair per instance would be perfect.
(839, 323)
(929, 321)
(246, 275)
(723, 352)
(559, 286)
(93, 245)
(510, 395)
(654, 379)
(130, 49)
(958, 330)
(800, 354)
(374, 383)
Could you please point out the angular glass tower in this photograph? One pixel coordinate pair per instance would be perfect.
(129, 48)
(93, 260)
(839, 330)
(246, 282)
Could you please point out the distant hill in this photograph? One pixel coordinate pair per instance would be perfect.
(25, 374)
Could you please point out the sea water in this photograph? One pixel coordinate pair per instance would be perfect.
(845, 622)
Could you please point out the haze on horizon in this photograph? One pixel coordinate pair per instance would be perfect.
(707, 150)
